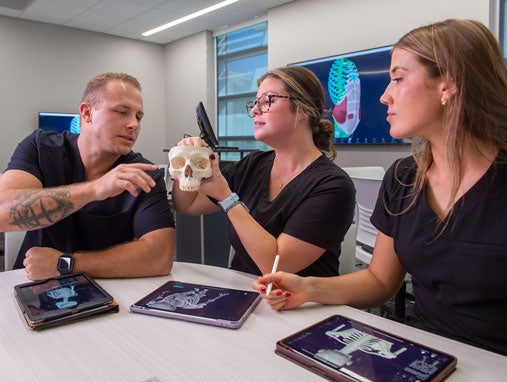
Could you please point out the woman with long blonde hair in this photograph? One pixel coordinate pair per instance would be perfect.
(441, 212)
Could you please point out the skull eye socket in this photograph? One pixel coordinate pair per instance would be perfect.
(200, 163)
(178, 162)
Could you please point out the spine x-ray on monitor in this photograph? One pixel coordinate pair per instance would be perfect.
(207, 133)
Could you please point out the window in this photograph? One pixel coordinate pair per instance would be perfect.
(242, 57)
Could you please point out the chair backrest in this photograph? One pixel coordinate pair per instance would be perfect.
(348, 253)
(373, 172)
(369, 172)
(13, 241)
(367, 190)
(167, 178)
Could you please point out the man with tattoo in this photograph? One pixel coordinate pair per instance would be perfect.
(88, 202)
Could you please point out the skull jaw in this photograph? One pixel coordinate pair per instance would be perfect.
(189, 188)
(190, 184)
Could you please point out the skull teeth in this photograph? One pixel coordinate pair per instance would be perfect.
(189, 188)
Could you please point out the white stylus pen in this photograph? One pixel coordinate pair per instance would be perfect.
(275, 265)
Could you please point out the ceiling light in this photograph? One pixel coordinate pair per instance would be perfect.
(189, 17)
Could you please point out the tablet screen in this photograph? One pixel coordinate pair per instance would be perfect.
(363, 353)
(196, 300)
(59, 296)
(207, 133)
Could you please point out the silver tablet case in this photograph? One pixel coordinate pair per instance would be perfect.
(204, 304)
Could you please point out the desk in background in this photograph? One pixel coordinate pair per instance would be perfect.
(231, 150)
(133, 347)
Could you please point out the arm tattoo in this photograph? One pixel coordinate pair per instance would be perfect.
(41, 208)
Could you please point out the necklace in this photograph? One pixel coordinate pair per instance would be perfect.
(282, 182)
(291, 176)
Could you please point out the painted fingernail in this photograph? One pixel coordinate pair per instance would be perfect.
(287, 294)
(278, 293)
(263, 288)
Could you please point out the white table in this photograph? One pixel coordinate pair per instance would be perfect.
(132, 347)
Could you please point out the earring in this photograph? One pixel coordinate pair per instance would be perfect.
(444, 101)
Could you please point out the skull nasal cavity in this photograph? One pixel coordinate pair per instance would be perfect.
(188, 172)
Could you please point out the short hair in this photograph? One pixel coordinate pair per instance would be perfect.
(95, 88)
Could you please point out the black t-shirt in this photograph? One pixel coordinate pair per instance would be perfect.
(317, 206)
(54, 159)
(458, 276)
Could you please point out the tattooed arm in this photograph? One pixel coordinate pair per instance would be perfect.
(32, 209)
(25, 205)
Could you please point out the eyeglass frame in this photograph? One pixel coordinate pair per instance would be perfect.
(251, 104)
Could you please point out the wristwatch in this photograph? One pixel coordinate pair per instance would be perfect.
(65, 263)
(230, 202)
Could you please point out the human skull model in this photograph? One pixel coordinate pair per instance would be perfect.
(189, 164)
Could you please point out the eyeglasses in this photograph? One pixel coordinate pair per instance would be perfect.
(263, 103)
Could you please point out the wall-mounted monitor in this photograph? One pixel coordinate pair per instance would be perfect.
(353, 84)
(59, 122)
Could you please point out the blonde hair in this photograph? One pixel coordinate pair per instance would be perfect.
(95, 88)
(467, 52)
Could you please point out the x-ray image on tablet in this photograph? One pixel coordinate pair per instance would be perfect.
(192, 299)
(199, 303)
(62, 299)
(342, 349)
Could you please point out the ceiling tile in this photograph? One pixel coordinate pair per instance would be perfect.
(121, 8)
(129, 18)
(96, 21)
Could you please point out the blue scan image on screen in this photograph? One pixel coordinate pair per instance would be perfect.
(357, 350)
(353, 84)
(59, 122)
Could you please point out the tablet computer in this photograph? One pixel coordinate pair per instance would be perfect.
(62, 299)
(203, 304)
(207, 133)
(341, 349)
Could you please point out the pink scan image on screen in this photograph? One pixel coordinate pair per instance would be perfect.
(344, 88)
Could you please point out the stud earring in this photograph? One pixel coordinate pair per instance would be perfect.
(444, 101)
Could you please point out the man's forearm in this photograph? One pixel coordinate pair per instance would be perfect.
(38, 208)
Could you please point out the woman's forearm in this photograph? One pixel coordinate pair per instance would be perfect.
(359, 289)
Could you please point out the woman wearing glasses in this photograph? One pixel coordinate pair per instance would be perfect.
(293, 200)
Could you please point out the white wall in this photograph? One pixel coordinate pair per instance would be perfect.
(331, 27)
(189, 80)
(46, 68)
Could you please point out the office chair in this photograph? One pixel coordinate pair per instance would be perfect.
(167, 178)
(366, 197)
(367, 181)
(348, 254)
(13, 241)
(375, 172)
